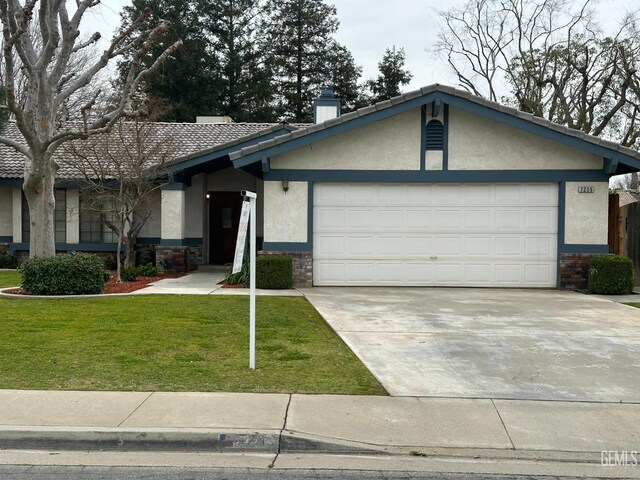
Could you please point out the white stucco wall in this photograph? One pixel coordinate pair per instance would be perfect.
(285, 214)
(73, 215)
(477, 143)
(173, 214)
(152, 228)
(586, 214)
(195, 198)
(6, 212)
(390, 144)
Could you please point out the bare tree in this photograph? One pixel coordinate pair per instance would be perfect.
(121, 173)
(44, 60)
(553, 60)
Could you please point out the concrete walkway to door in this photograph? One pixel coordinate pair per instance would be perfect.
(489, 343)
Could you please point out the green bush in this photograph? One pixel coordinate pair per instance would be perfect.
(69, 274)
(145, 256)
(274, 272)
(610, 275)
(111, 262)
(147, 270)
(8, 261)
(128, 274)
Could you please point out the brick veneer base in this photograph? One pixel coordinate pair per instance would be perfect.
(574, 270)
(302, 267)
(172, 259)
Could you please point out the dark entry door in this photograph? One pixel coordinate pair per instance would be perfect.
(224, 218)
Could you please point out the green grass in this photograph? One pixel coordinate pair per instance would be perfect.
(174, 343)
(9, 278)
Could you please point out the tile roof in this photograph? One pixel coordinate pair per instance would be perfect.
(425, 91)
(186, 139)
(627, 197)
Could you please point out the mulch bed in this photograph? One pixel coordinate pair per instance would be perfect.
(124, 287)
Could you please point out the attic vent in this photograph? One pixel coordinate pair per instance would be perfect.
(435, 135)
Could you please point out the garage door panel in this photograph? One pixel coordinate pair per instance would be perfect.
(478, 235)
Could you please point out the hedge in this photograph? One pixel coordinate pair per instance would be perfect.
(611, 275)
(8, 261)
(68, 274)
(274, 272)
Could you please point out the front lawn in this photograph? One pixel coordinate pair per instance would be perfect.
(9, 278)
(174, 343)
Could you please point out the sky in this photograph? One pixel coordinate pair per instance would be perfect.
(368, 27)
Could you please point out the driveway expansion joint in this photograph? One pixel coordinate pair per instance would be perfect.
(136, 409)
(513, 447)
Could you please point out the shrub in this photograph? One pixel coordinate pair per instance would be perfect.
(274, 272)
(147, 270)
(240, 278)
(128, 274)
(8, 261)
(610, 275)
(145, 256)
(111, 262)
(69, 274)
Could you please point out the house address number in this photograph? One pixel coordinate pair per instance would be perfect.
(585, 189)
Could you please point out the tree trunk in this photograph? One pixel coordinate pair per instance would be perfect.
(130, 243)
(42, 204)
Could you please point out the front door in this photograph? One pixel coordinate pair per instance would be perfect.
(224, 211)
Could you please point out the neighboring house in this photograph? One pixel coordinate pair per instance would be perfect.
(433, 188)
(624, 226)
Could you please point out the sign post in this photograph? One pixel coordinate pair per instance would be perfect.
(247, 215)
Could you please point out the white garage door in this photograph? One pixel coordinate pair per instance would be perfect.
(435, 235)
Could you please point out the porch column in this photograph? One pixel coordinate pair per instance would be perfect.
(173, 213)
(17, 215)
(172, 255)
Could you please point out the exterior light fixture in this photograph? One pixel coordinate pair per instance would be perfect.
(208, 196)
(285, 186)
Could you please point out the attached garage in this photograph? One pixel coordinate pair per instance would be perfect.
(485, 235)
(437, 187)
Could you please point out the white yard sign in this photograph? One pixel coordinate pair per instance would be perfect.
(242, 236)
(247, 215)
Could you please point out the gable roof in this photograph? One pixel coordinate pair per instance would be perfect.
(187, 140)
(620, 159)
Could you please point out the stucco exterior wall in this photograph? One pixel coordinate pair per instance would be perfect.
(151, 228)
(73, 215)
(586, 214)
(195, 207)
(6, 212)
(390, 144)
(477, 143)
(173, 214)
(285, 214)
(17, 214)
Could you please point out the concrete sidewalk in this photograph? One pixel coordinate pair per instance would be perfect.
(282, 423)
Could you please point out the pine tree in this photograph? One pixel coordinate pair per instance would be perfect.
(345, 75)
(232, 29)
(392, 75)
(185, 84)
(299, 40)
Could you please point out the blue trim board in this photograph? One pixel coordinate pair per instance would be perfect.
(445, 139)
(71, 247)
(423, 138)
(148, 240)
(595, 249)
(6, 239)
(184, 242)
(433, 176)
(287, 247)
(10, 182)
(174, 186)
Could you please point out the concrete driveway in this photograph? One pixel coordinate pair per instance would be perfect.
(489, 343)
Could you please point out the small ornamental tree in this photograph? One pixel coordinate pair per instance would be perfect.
(41, 45)
(121, 173)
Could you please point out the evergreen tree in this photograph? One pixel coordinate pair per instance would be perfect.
(299, 40)
(392, 75)
(345, 75)
(232, 29)
(185, 84)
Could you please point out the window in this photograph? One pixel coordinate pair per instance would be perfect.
(435, 135)
(60, 221)
(93, 228)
